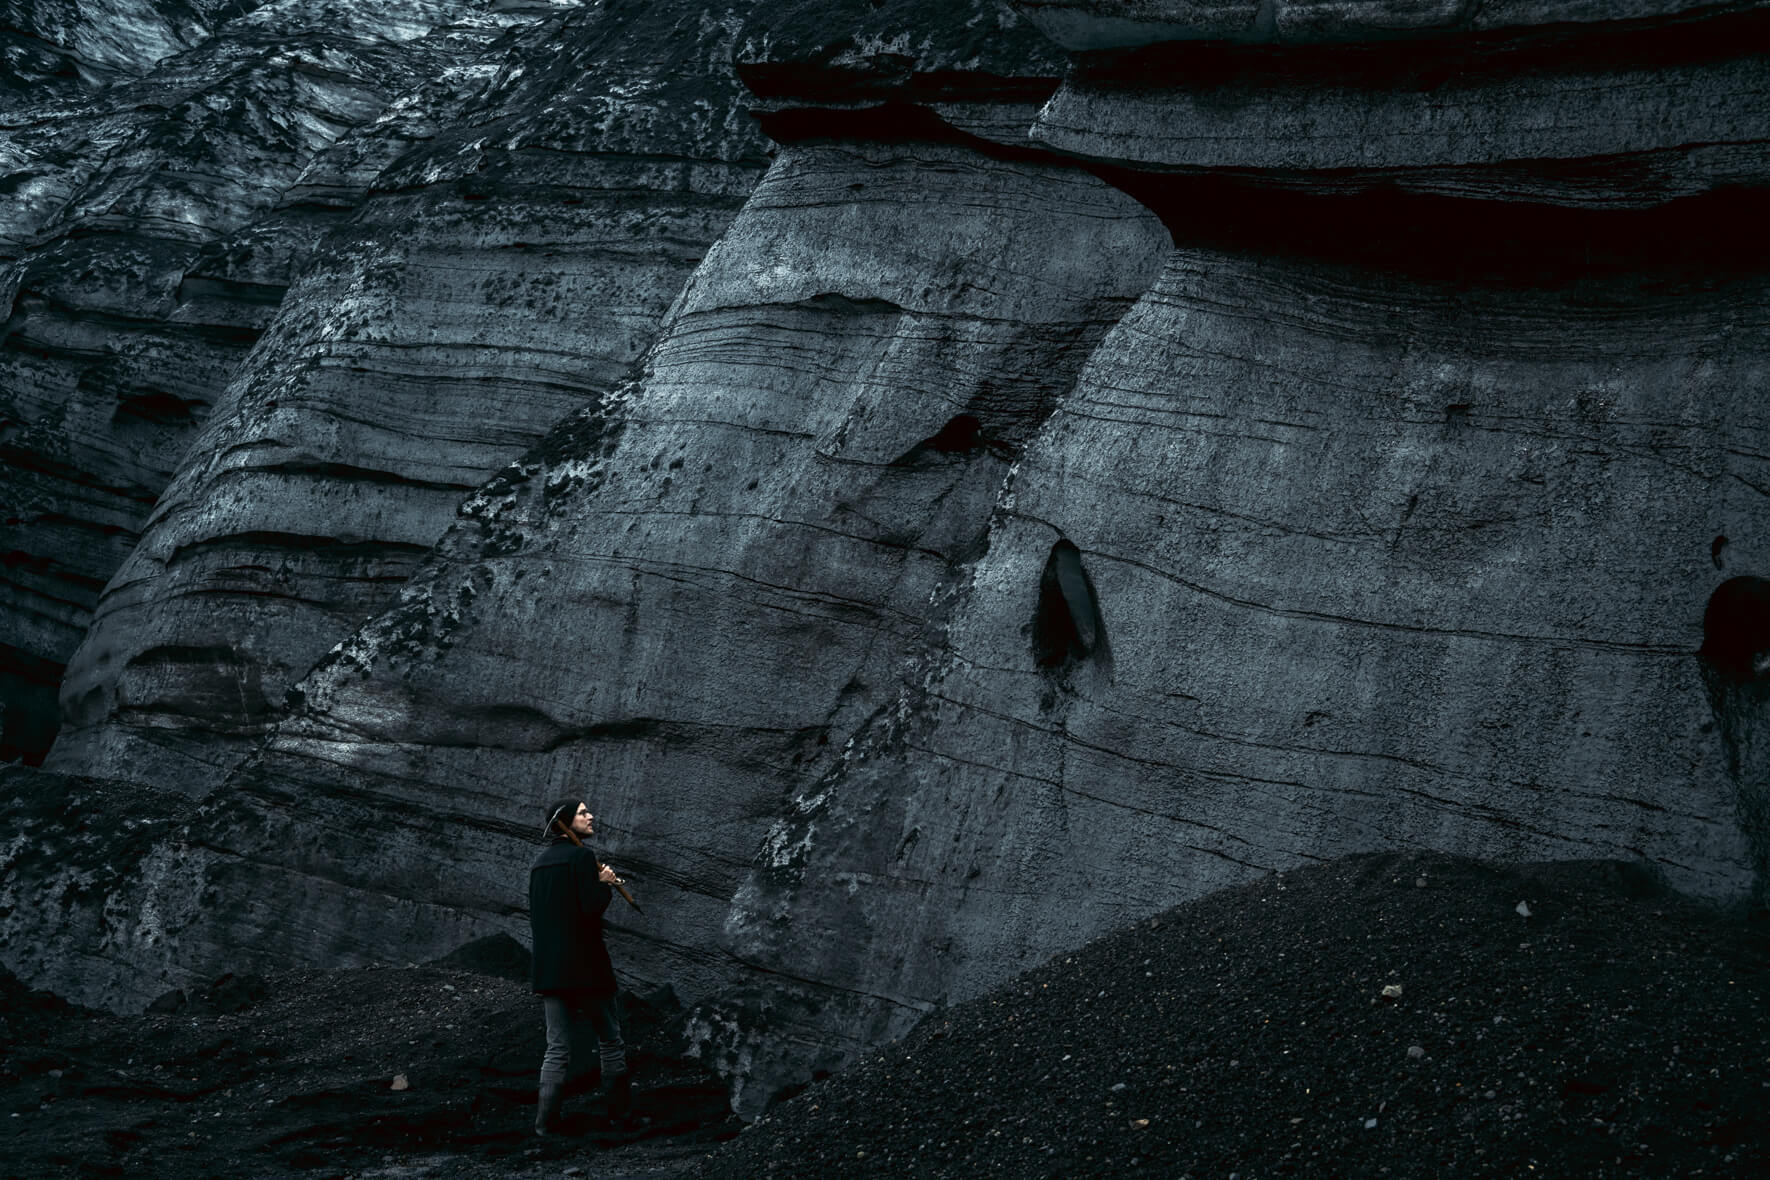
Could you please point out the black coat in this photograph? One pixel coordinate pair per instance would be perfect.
(566, 902)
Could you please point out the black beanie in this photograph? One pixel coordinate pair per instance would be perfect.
(563, 810)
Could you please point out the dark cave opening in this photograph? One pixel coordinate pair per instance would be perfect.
(1066, 624)
(1736, 627)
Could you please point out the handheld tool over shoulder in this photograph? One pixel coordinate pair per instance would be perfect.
(620, 885)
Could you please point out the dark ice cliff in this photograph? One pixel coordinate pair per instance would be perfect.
(947, 480)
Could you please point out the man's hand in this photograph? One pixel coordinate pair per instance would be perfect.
(606, 875)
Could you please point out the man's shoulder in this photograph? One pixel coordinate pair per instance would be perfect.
(561, 854)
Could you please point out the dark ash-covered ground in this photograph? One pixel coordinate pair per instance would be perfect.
(294, 1074)
(1615, 1030)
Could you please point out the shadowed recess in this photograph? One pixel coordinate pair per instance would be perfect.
(1426, 236)
(962, 435)
(159, 408)
(29, 715)
(1066, 626)
(1736, 627)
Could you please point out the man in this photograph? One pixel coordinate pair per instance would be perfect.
(568, 892)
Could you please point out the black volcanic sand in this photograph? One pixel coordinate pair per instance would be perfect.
(294, 1074)
(1616, 1030)
(1613, 1031)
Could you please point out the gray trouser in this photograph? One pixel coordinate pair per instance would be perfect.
(574, 1023)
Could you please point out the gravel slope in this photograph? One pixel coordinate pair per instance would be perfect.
(1615, 1030)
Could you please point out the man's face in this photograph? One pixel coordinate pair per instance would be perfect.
(581, 822)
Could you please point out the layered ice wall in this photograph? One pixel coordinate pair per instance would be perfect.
(1078, 478)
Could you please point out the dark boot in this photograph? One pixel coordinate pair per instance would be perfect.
(620, 1096)
(617, 1092)
(547, 1108)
